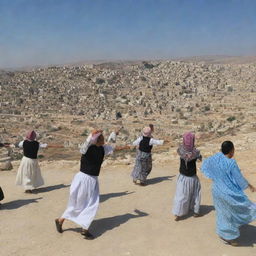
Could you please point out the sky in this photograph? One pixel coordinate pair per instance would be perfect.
(49, 32)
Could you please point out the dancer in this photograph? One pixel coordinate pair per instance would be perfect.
(84, 191)
(233, 208)
(143, 162)
(188, 190)
(29, 173)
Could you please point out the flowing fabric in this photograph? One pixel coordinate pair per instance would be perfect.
(188, 195)
(233, 208)
(83, 200)
(29, 174)
(143, 166)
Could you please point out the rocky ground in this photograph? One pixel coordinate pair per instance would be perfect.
(63, 103)
(215, 99)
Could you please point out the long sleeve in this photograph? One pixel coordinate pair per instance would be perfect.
(207, 167)
(238, 177)
(112, 138)
(84, 147)
(20, 145)
(137, 141)
(108, 150)
(43, 145)
(156, 142)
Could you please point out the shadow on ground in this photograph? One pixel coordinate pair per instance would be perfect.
(100, 226)
(19, 203)
(247, 236)
(50, 188)
(204, 210)
(159, 179)
(105, 197)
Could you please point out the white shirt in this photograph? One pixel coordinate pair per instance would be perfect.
(41, 145)
(112, 137)
(151, 142)
(108, 149)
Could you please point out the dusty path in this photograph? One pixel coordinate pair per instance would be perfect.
(131, 220)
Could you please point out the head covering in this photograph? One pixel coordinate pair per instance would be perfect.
(146, 131)
(95, 135)
(91, 139)
(31, 135)
(187, 150)
(188, 141)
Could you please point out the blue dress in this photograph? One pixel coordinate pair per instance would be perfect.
(233, 208)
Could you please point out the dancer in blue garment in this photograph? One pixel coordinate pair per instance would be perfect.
(233, 208)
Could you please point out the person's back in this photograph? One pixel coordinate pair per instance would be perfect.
(225, 174)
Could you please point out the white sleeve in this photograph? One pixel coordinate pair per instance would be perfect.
(43, 145)
(108, 149)
(156, 142)
(21, 144)
(137, 142)
(112, 137)
(84, 147)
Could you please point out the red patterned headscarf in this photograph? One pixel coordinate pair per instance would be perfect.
(31, 135)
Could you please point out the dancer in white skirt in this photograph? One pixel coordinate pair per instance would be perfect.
(188, 191)
(84, 191)
(29, 173)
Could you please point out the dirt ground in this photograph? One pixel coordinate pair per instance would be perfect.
(131, 220)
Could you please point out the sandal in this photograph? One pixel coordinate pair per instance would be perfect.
(230, 242)
(196, 215)
(58, 226)
(87, 235)
(28, 191)
(177, 218)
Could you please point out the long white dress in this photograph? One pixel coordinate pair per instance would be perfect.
(83, 200)
(29, 173)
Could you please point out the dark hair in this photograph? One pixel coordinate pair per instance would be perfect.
(151, 126)
(227, 147)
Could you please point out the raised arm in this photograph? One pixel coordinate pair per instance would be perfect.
(20, 145)
(155, 142)
(43, 145)
(137, 141)
(112, 137)
(84, 147)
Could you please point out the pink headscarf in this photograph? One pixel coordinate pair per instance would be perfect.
(189, 141)
(187, 150)
(146, 131)
(31, 135)
(95, 135)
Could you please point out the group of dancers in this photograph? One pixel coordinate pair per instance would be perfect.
(232, 206)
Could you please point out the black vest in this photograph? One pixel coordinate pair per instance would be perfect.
(92, 160)
(144, 145)
(189, 169)
(30, 149)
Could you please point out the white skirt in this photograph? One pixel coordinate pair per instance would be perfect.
(29, 174)
(188, 195)
(83, 200)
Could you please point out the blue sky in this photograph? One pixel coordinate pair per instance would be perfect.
(42, 32)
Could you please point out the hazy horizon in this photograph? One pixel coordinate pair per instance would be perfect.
(45, 32)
